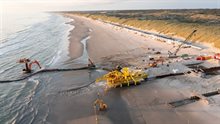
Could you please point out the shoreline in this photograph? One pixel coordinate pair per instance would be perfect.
(76, 35)
(174, 41)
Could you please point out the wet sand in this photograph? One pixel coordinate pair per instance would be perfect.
(145, 103)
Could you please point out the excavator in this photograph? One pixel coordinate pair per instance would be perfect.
(102, 106)
(174, 54)
(28, 64)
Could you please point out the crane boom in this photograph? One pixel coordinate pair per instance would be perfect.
(179, 47)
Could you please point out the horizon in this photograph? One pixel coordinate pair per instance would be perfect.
(136, 9)
(104, 5)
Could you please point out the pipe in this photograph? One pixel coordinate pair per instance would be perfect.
(43, 71)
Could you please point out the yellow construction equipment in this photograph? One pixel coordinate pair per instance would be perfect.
(100, 103)
(102, 106)
(125, 76)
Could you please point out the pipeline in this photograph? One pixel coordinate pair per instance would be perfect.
(46, 70)
(206, 70)
(77, 88)
(192, 99)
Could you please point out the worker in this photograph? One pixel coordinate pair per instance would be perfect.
(100, 103)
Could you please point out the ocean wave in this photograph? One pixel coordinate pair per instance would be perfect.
(56, 58)
(47, 42)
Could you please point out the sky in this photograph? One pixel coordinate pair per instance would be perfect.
(62, 5)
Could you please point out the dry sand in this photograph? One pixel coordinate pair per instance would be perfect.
(142, 104)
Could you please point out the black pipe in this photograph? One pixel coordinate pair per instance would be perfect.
(211, 93)
(45, 70)
(192, 99)
(87, 67)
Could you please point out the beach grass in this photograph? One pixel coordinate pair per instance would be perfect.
(174, 23)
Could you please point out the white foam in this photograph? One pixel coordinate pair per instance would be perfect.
(63, 52)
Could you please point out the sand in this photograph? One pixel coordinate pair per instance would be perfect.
(142, 104)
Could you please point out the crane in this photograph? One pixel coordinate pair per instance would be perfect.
(180, 46)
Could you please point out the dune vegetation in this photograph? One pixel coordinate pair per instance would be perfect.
(179, 23)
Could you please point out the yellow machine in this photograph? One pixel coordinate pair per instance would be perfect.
(101, 105)
(125, 76)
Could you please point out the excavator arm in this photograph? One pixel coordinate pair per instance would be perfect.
(34, 62)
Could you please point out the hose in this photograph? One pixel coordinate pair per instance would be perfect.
(44, 71)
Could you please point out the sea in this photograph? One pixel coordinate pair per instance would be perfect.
(37, 36)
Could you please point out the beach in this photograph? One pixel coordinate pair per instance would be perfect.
(109, 62)
(67, 97)
(109, 46)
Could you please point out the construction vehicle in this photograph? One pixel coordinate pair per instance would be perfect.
(28, 64)
(174, 54)
(125, 76)
(100, 103)
(208, 57)
(203, 58)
